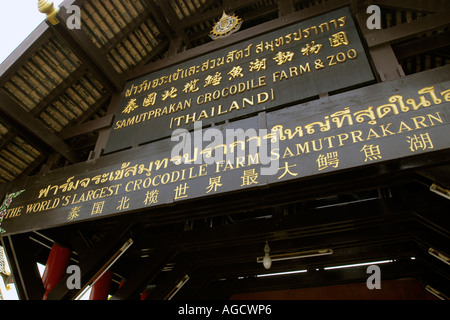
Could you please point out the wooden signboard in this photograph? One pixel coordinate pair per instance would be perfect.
(321, 55)
(366, 126)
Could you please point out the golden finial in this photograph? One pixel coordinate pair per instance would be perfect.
(48, 8)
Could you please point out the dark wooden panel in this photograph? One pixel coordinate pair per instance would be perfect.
(298, 62)
(371, 126)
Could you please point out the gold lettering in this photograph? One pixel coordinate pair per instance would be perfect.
(89, 194)
(190, 173)
(262, 97)
(330, 144)
(342, 137)
(66, 200)
(253, 159)
(240, 162)
(126, 186)
(261, 81)
(165, 178)
(287, 152)
(302, 148)
(220, 110)
(385, 129)
(43, 206)
(202, 115)
(419, 121)
(305, 68)
(154, 179)
(234, 106)
(372, 134)
(437, 118)
(275, 76)
(250, 102)
(356, 135)
(173, 178)
(293, 71)
(283, 75)
(315, 148)
(190, 117)
(274, 155)
(147, 183)
(219, 165)
(14, 212)
(404, 126)
(228, 166)
(202, 170)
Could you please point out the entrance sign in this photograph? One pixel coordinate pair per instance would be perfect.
(295, 63)
(367, 126)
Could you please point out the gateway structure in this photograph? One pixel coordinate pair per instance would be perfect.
(158, 160)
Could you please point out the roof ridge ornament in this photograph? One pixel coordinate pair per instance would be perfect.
(225, 26)
(49, 9)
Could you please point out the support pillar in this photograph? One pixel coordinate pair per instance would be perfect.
(55, 268)
(100, 289)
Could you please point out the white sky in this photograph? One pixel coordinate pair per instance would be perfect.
(18, 18)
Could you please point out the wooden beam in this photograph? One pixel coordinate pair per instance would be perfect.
(7, 138)
(439, 175)
(160, 21)
(162, 45)
(126, 31)
(38, 145)
(416, 5)
(14, 131)
(23, 52)
(145, 273)
(57, 91)
(380, 42)
(386, 63)
(328, 220)
(87, 127)
(92, 259)
(103, 136)
(199, 280)
(170, 280)
(174, 22)
(421, 46)
(285, 7)
(94, 58)
(408, 30)
(29, 124)
(174, 46)
(32, 166)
